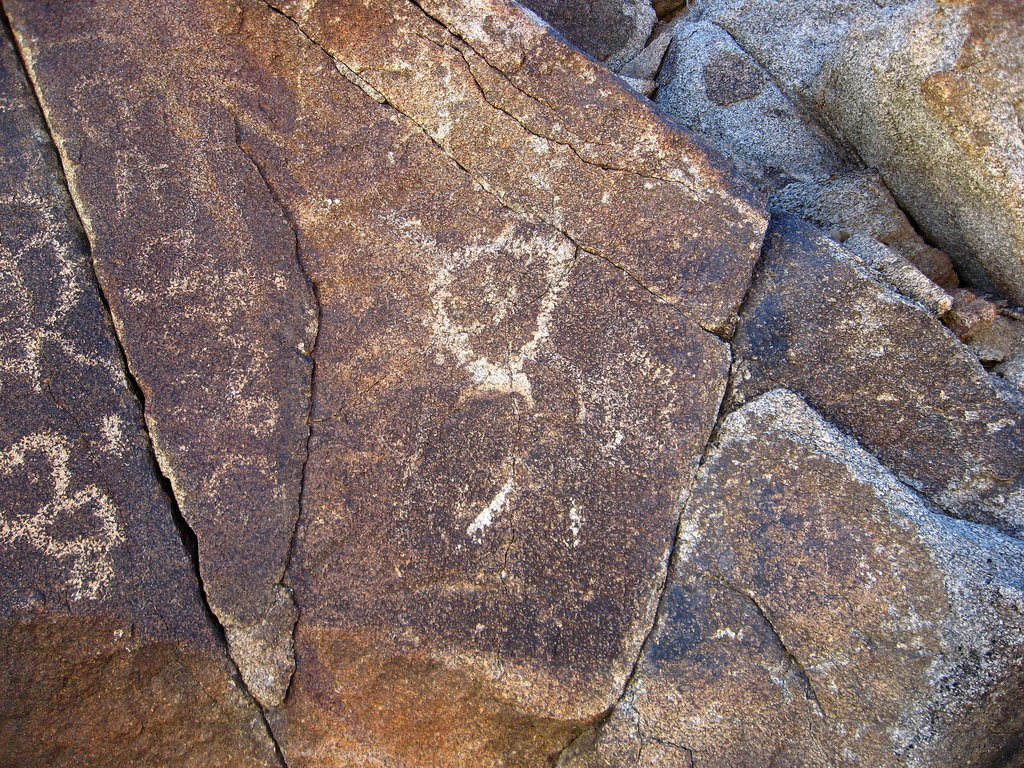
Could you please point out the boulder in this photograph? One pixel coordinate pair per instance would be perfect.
(713, 87)
(792, 39)
(819, 613)
(110, 658)
(884, 370)
(930, 93)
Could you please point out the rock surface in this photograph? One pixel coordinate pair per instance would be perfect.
(513, 383)
(819, 613)
(930, 93)
(612, 31)
(438, 348)
(107, 648)
(215, 315)
(713, 87)
(885, 371)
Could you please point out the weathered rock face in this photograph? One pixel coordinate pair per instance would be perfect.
(931, 95)
(431, 320)
(820, 614)
(107, 649)
(883, 370)
(216, 317)
(715, 88)
(858, 203)
(514, 381)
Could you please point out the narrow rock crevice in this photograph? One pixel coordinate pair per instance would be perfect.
(189, 541)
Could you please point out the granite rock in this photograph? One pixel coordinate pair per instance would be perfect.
(819, 613)
(929, 93)
(515, 284)
(715, 88)
(885, 371)
(858, 203)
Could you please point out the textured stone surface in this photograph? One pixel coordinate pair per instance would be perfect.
(612, 31)
(107, 651)
(819, 614)
(578, 151)
(930, 93)
(513, 378)
(713, 87)
(792, 39)
(216, 317)
(883, 370)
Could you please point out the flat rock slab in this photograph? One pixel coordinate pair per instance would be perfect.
(820, 614)
(885, 371)
(515, 265)
(107, 648)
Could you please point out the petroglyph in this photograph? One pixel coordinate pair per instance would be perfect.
(41, 460)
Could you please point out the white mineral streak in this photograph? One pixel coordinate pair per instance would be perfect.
(89, 555)
(576, 521)
(487, 514)
(24, 342)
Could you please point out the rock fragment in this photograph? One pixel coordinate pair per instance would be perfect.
(858, 203)
(899, 273)
(883, 370)
(819, 613)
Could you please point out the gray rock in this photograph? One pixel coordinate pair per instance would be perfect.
(792, 38)
(900, 274)
(859, 203)
(928, 94)
(821, 614)
(713, 87)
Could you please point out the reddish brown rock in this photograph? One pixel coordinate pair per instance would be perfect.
(553, 135)
(883, 370)
(108, 656)
(819, 614)
(200, 270)
(504, 422)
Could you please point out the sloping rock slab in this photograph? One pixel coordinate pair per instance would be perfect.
(108, 656)
(885, 371)
(819, 614)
